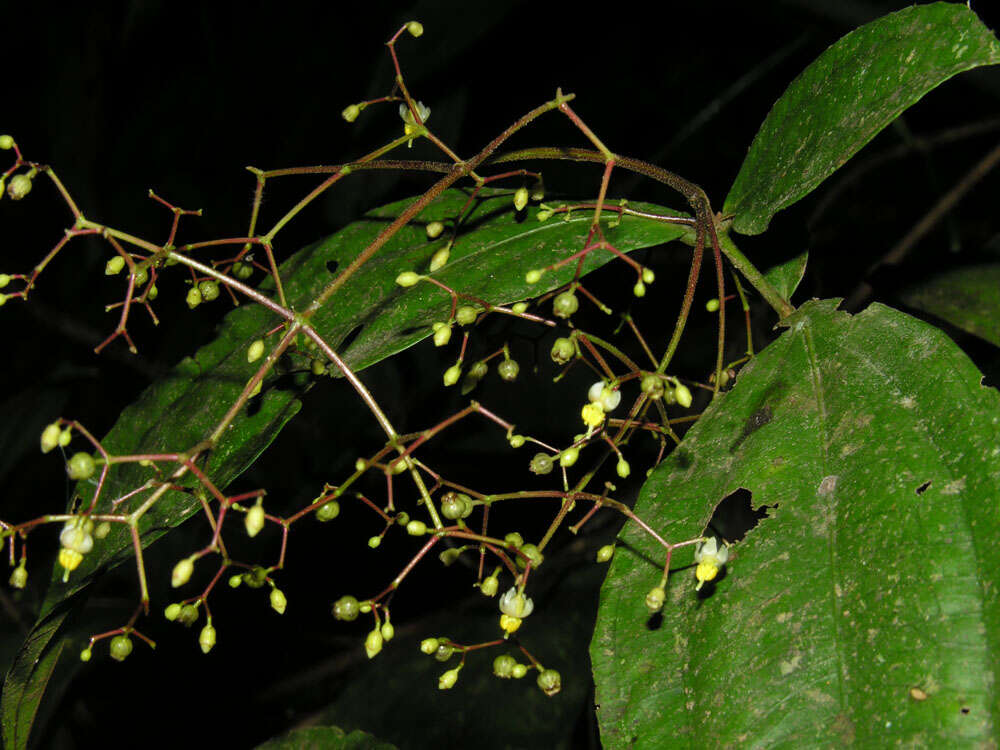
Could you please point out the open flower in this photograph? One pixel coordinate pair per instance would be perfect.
(710, 558)
(515, 606)
(410, 124)
(602, 393)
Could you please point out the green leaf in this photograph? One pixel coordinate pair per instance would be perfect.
(785, 277)
(968, 298)
(865, 608)
(325, 738)
(490, 256)
(844, 98)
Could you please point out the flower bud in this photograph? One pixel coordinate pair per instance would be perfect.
(6, 142)
(520, 198)
(448, 679)
(569, 457)
(565, 304)
(563, 350)
(121, 647)
(489, 586)
(86, 654)
(346, 608)
(407, 278)
(50, 437)
(416, 528)
(235, 581)
(508, 370)
(639, 290)
(434, 230)
(518, 308)
(549, 681)
(114, 266)
(683, 395)
(373, 643)
(516, 441)
(466, 315)
(605, 553)
(429, 645)
(255, 351)
(182, 572)
(442, 334)
(440, 258)
(193, 299)
(533, 276)
(80, 466)
(712, 305)
(503, 666)
(655, 598)
(278, 601)
(623, 468)
(519, 671)
(452, 374)
(19, 187)
(328, 512)
(542, 463)
(206, 639)
(534, 556)
(19, 577)
(172, 612)
(351, 112)
(388, 631)
(188, 615)
(415, 28)
(648, 276)
(255, 520)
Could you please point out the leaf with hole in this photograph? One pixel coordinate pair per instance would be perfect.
(865, 608)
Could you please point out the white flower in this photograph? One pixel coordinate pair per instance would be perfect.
(515, 604)
(409, 123)
(604, 395)
(710, 558)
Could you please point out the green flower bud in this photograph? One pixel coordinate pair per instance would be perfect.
(408, 278)
(182, 572)
(605, 553)
(416, 528)
(80, 466)
(683, 395)
(490, 586)
(255, 520)
(452, 374)
(563, 350)
(648, 276)
(442, 334)
(533, 276)
(255, 350)
(65, 437)
(206, 639)
(255, 577)
(444, 652)
(242, 271)
(520, 198)
(508, 369)
(278, 601)
(623, 468)
(652, 386)
(639, 290)
(193, 298)
(388, 631)
(466, 315)
(440, 258)
(569, 457)
(434, 230)
(542, 463)
(86, 654)
(429, 645)
(235, 581)
(328, 512)
(5, 279)
(415, 28)
(503, 666)
(516, 441)
(448, 679)
(346, 609)
(18, 577)
(532, 553)
(50, 437)
(374, 541)
(519, 671)
(114, 266)
(518, 308)
(449, 556)
(565, 304)
(19, 187)
(121, 647)
(544, 214)
(549, 681)
(172, 612)
(6, 142)
(102, 530)
(351, 112)
(209, 289)
(188, 615)
(373, 643)
(712, 305)
(514, 539)
(655, 598)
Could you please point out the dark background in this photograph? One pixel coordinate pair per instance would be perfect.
(121, 97)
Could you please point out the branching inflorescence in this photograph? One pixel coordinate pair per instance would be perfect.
(429, 505)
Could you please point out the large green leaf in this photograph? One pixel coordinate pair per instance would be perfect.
(490, 256)
(968, 298)
(844, 98)
(865, 608)
(325, 738)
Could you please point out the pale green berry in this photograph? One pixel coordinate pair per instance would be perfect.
(206, 639)
(429, 645)
(50, 437)
(80, 466)
(442, 334)
(520, 198)
(712, 305)
(172, 612)
(351, 112)
(346, 608)
(121, 647)
(255, 350)
(605, 553)
(503, 666)
(19, 577)
(434, 230)
(541, 463)
(448, 679)
(623, 468)
(639, 290)
(328, 512)
(452, 506)
(519, 671)
(569, 457)
(655, 598)
(549, 681)
(519, 307)
(182, 572)
(373, 643)
(408, 278)
(452, 374)
(415, 28)
(416, 528)
(86, 654)
(466, 315)
(114, 266)
(255, 520)
(209, 290)
(19, 187)
(648, 276)
(440, 259)
(193, 298)
(563, 350)
(683, 395)
(565, 304)
(278, 601)
(6, 142)
(508, 370)
(533, 276)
